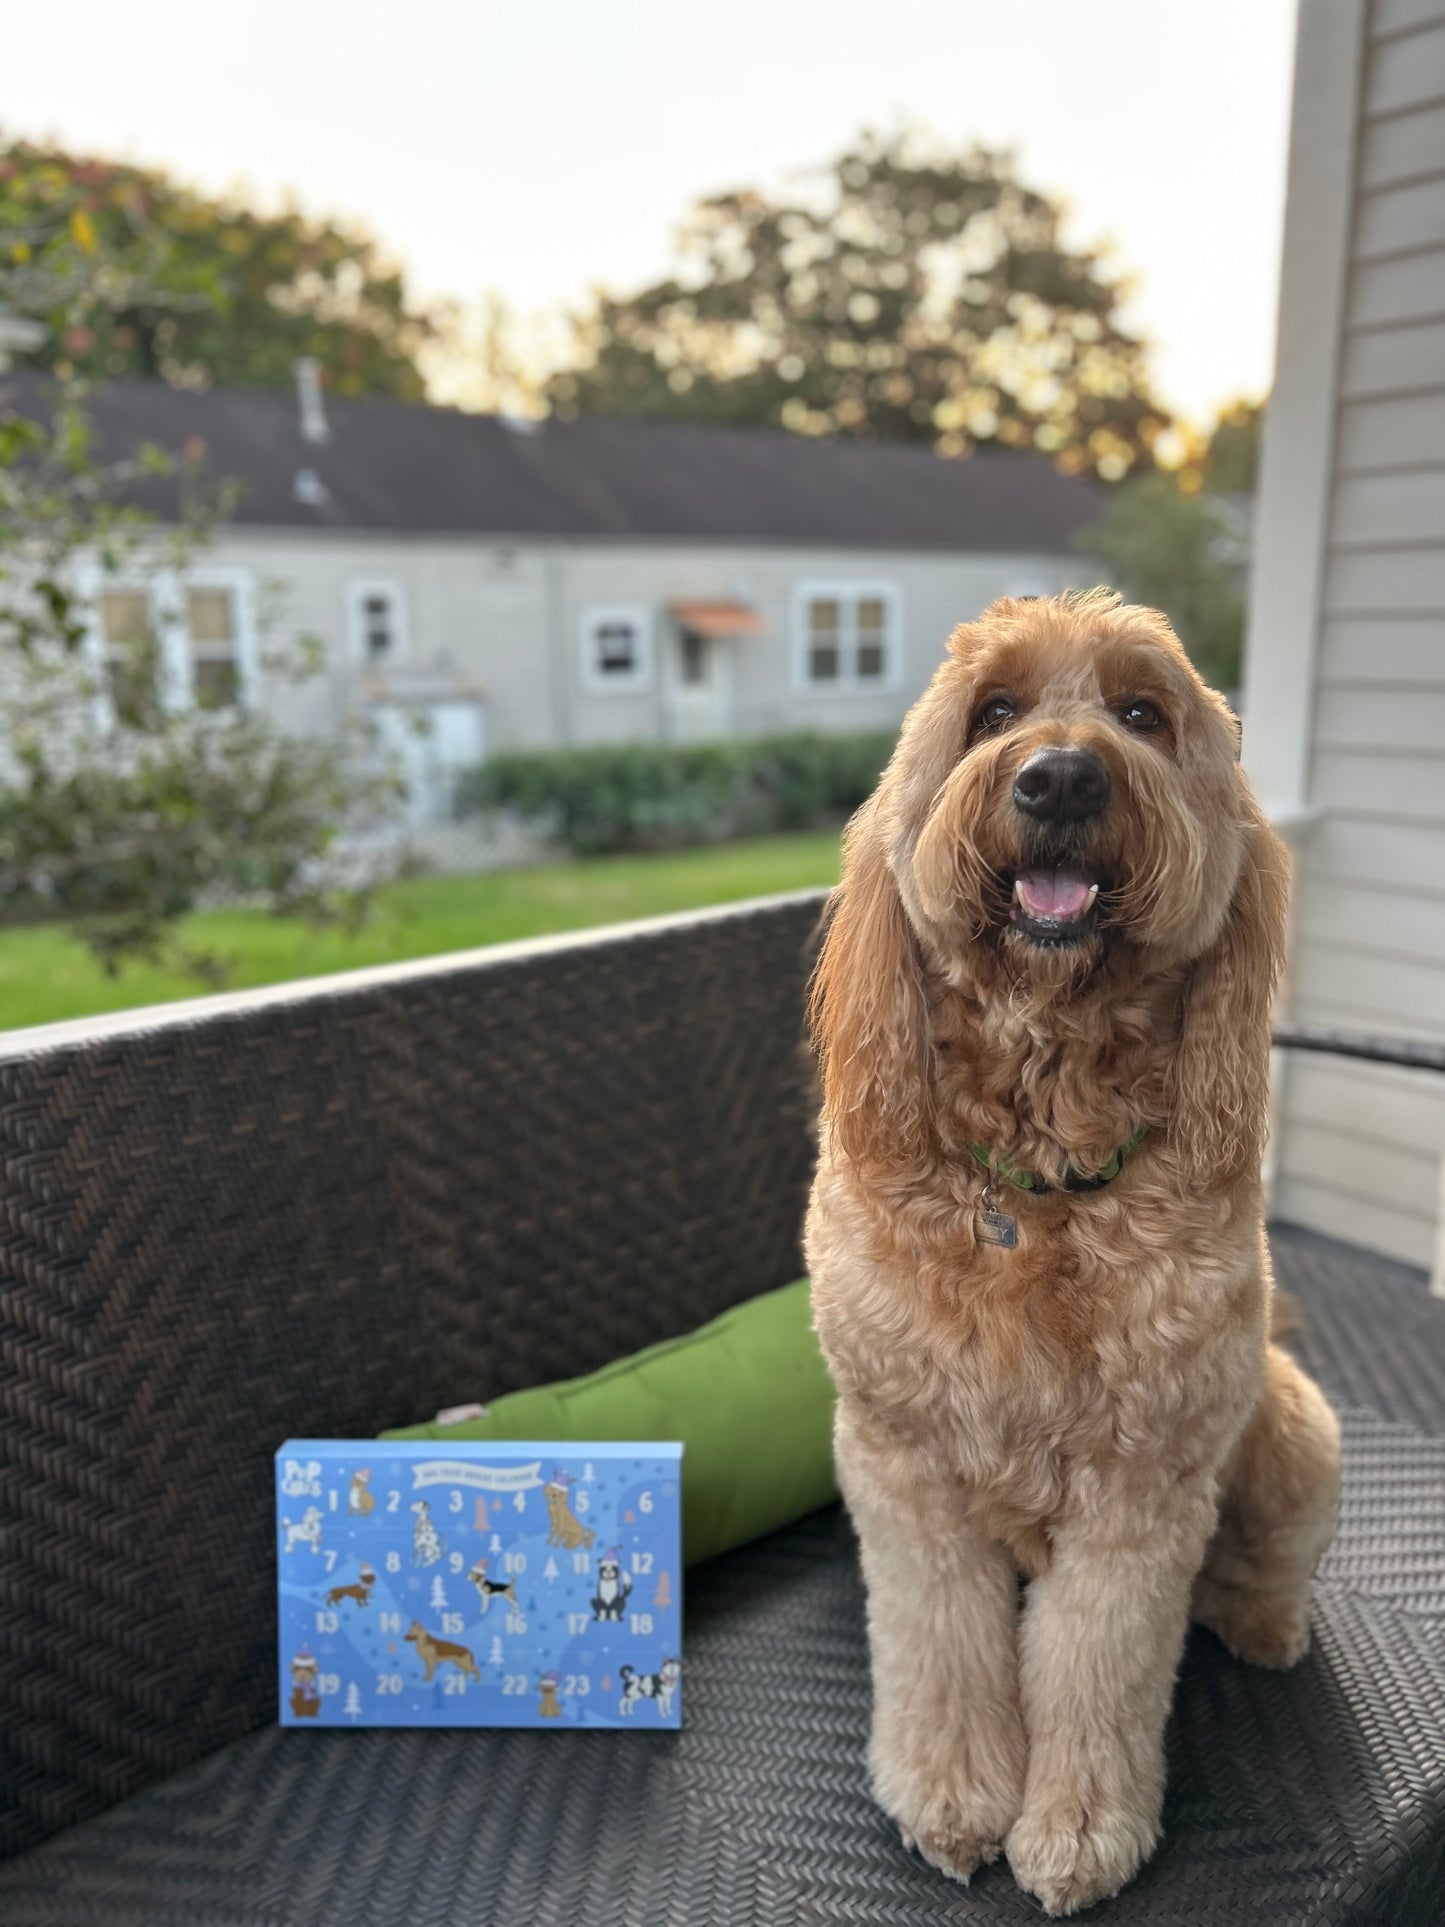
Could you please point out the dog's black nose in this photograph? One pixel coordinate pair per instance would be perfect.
(1062, 785)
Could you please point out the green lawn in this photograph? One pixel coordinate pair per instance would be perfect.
(45, 974)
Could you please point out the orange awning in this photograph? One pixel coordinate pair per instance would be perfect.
(718, 618)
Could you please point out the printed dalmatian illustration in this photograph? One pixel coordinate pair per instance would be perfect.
(359, 1590)
(613, 1586)
(549, 1706)
(305, 1689)
(490, 1589)
(307, 1533)
(360, 1500)
(659, 1686)
(426, 1545)
(564, 1527)
(434, 1652)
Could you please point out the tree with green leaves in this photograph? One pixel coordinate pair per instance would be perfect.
(908, 292)
(200, 290)
(122, 808)
(1228, 463)
(1179, 539)
(1182, 553)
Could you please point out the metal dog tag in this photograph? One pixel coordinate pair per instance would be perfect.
(997, 1228)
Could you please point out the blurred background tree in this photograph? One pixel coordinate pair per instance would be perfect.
(1180, 539)
(198, 290)
(122, 807)
(907, 292)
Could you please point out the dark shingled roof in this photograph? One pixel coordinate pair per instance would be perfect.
(387, 466)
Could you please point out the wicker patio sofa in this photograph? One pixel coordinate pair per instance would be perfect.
(341, 1205)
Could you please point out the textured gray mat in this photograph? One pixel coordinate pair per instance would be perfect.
(1310, 1798)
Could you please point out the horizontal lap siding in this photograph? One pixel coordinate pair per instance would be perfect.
(1360, 1146)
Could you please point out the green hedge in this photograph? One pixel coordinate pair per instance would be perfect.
(650, 796)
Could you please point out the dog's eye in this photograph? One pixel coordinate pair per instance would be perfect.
(1138, 713)
(997, 711)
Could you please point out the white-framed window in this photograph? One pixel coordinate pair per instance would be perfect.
(848, 635)
(218, 628)
(128, 647)
(187, 640)
(376, 621)
(616, 648)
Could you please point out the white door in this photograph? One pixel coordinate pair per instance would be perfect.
(700, 686)
(431, 741)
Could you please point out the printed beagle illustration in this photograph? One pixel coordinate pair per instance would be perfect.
(360, 1500)
(490, 1589)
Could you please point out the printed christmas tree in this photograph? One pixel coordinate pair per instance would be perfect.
(438, 1595)
(352, 1708)
(663, 1595)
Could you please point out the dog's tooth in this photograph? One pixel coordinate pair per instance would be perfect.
(1018, 890)
(1093, 893)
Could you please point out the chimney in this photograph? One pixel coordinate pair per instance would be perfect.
(309, 400)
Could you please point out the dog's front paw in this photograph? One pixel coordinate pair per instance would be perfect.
(957, 1837)
(1266, 1628)
(956, 1817)
(1071, 1852)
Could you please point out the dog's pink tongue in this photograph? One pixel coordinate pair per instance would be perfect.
(1056, 894)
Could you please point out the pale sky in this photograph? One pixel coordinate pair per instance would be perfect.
(537, 149)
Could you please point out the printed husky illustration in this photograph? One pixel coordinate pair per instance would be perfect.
(659, 1686)
(613, 1586)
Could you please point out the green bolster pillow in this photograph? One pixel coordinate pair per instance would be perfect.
(748, 1395)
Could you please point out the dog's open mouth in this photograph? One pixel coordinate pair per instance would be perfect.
(1054, 904)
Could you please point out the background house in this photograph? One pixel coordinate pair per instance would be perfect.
(521, 584)
(1344, 693)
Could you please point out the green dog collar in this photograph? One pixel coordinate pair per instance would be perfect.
(1073, 1179)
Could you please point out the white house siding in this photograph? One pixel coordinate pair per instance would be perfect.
(506, 617)
(1348, 720)
(477, 608)
(935, 592)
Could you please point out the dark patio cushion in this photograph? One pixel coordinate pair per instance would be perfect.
(1299, 1799)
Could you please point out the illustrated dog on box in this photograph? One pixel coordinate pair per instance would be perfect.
(1036, 1238)
(434, 1652)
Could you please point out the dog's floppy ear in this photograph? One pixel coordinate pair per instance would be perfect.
(867, 1009)
(1222, 1067)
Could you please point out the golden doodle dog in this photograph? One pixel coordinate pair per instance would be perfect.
(1042, 1011)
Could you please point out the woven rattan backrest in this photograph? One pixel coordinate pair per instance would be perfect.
(323, 1212)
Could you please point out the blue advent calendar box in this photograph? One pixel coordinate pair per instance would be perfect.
(479, 1584)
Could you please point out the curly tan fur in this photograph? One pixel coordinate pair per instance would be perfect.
(1098, 1409)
